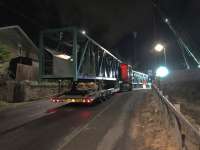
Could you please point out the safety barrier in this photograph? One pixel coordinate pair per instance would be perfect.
(188, 137)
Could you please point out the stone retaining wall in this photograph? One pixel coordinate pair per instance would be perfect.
(179, 76)
(18, 91)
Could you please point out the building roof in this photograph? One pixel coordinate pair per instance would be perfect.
(15, 37)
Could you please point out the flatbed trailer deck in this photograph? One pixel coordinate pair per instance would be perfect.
(83, 96)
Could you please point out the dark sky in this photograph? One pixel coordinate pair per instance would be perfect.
(112, 23)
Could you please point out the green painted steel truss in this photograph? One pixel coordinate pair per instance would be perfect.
(68, 53)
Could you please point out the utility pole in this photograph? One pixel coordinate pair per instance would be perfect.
(134, 47)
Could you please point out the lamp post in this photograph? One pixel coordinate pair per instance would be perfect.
(159, 48)
(164, 51)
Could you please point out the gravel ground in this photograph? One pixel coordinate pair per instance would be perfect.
(148, 131)
(188, 96)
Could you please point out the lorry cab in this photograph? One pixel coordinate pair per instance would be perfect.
(126, 77)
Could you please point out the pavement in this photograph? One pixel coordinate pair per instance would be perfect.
(17, 115)
(103, 126)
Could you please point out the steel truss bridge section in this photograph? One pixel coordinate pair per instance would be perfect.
(67, 53)
(139, 77)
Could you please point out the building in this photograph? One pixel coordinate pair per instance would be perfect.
(18, 55)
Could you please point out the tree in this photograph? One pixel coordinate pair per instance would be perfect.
(4, 53)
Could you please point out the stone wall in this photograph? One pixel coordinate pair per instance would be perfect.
(183, 86)
(33, 92)
(18, 91)
(178, 76)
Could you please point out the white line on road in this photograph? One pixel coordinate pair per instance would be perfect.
(76, 132)
(113, 135)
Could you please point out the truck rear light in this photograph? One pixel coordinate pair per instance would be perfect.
(61, 100)
(88, 99)
(56, 100)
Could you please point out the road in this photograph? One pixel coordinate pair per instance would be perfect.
(104, 126)
(18, 115)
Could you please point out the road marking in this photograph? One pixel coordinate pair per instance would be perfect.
(116, 132)
(76, 132)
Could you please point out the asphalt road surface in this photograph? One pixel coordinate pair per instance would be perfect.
(104, 126)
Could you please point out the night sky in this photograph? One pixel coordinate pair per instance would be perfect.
(129, 27)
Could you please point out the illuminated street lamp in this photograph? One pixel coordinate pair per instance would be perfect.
(162, 72)
(63, 56)
(83, 32)
(166, 20)
(159, 48)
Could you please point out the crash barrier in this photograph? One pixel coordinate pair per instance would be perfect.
(187, 136)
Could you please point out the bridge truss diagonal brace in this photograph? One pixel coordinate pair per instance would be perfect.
(86, 59)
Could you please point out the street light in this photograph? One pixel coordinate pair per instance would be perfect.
(159, 48)
(166, 20)
(83, 32)
(162, 72)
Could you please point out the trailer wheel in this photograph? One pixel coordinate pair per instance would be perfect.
(99, 100)
(103, 97)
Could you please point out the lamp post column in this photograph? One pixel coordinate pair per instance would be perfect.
(164, 51)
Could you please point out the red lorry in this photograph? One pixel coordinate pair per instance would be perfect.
(126, 77)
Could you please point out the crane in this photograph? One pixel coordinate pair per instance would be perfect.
(182, 44)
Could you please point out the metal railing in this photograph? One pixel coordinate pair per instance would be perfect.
(187, 135)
